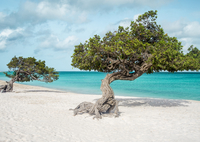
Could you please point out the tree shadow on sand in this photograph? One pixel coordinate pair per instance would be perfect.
(136, 102)
(133, 102)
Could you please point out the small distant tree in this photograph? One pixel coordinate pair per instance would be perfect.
(28, 69)
(127, 54)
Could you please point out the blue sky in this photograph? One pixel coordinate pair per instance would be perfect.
(49, 29)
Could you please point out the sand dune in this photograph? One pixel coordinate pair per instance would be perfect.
(37, 114)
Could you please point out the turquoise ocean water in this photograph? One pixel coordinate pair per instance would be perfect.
(181, 85)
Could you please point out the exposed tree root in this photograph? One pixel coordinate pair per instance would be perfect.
(3, 88)
(104, 105)
(98, 109)
(83, 107)
(8, 87)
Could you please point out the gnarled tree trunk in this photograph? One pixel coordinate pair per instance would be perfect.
(107, 102)
(8, 87)
(103, 105)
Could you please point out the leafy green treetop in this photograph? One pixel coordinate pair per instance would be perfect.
(143, 47)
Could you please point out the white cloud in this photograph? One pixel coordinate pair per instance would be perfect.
(127, 21)
(188, 41)
(114, 27)
(54, 11)
(54, 42)
(136, 16)
(7, 34)
(32, 13)
(187, 32)
(182, 28)
(67, 42)
(192, 29)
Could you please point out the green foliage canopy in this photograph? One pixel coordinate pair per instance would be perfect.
(144, 46)
(193, 57)
(29, 69)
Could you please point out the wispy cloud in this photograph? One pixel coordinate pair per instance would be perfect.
(7, 36)
(32, 13)
(54, 42)
(124, 23)
(187, 32)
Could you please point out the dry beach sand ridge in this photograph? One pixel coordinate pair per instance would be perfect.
(37, 114)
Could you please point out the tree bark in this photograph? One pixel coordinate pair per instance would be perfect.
(105, 104)
(8, 87)
(3, 88)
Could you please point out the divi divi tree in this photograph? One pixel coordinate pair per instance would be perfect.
(28, 69)
(128, 53)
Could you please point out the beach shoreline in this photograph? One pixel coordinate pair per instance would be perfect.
(23, 87)
(33, 113)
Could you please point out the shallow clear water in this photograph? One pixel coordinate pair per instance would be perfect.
(183, 85)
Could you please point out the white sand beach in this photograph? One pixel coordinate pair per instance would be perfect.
(37, 114)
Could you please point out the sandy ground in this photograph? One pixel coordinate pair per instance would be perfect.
(36, 114)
